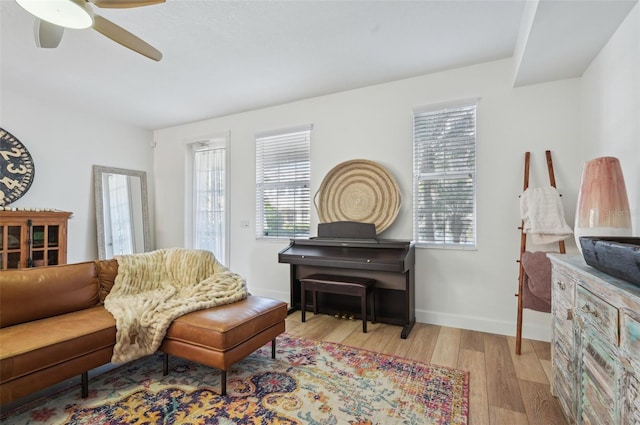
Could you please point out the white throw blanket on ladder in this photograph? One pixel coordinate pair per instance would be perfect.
(543, 215)
(154, 288)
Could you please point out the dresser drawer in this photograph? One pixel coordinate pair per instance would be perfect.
(563, 285)
(599, 313)
(562, 312)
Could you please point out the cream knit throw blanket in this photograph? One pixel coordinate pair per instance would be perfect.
(154, 288)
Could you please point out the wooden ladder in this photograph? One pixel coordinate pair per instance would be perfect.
(523, 243)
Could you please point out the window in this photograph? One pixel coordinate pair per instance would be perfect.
(209, 197)
(444, 176)
(282, 183)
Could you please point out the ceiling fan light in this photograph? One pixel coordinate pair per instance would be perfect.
(65, 13)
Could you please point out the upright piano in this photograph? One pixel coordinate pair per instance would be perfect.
(350, 249)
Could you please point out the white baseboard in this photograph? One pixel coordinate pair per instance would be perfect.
(501, 327)
(535, 331)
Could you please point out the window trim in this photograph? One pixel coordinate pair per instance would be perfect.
(443, 106)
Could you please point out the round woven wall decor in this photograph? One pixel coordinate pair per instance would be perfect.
(359, 190)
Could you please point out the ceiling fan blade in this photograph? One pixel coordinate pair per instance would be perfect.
(125, 38)
(47, 35)
(124, 4)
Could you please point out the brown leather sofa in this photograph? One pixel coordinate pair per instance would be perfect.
(53, 326)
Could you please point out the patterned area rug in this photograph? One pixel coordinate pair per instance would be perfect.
(310, 382)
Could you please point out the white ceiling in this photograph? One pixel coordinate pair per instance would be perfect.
(223, 57)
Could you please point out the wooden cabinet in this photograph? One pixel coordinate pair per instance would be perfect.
(595, 344)
(33, 238)
(563, 349)
(629, 349)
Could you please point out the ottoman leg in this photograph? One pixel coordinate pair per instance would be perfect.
(223, 382)
(84, 378)
(165, 364)
(273, 348)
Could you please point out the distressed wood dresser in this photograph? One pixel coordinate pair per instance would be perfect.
(595, 347)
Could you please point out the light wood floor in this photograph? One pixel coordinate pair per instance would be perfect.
(505, 389)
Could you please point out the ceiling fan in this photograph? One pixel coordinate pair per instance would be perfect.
(52, 16)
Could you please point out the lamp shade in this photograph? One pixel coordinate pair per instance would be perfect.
(603, 206)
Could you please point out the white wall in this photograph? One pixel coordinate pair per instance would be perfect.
(610, 107)
(65, 144)
(577, 120)
(469, 289)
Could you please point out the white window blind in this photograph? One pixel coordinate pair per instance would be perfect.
(283, 172)
(444, 164)
(209, 198)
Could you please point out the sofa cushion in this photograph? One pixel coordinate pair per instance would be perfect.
(37, 293)
(107, 271)
(33, 346)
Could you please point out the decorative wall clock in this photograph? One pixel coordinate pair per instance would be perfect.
(16, 168)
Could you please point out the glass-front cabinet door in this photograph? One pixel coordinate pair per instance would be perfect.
(11, 246)
(33, 238)
(46, 245)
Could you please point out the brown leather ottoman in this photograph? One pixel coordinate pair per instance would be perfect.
(221, 336)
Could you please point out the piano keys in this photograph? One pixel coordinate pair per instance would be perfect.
(390, 262)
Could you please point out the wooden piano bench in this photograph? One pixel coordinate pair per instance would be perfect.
(345, 285)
